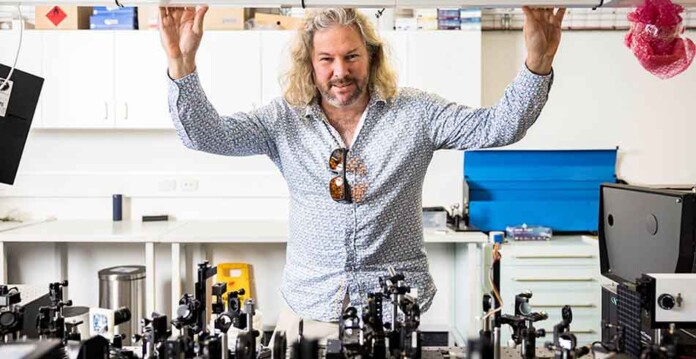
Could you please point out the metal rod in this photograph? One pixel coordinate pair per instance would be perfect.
(223, 346)
(496, 343)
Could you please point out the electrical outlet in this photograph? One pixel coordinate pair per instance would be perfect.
(168, 185)
(189, 185)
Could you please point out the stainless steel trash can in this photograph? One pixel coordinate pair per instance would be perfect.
(124, 286)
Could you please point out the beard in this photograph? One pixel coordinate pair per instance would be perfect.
(326, 93)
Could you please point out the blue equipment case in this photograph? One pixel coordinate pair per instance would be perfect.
(552, 188)
(113, 22)
(128, 10)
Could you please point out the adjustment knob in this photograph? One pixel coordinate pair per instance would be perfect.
(666, 301)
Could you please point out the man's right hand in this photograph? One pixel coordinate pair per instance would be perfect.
(181, 30)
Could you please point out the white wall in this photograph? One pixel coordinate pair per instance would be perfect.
(603, 98)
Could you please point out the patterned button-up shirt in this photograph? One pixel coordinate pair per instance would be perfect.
(337, 248)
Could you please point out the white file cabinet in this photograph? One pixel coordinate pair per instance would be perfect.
(562, 271)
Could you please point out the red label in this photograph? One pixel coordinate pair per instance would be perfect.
(56, 15)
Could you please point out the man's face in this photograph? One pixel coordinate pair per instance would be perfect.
(341, 65)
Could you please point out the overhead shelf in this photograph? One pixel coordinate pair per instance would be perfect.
(354, 3)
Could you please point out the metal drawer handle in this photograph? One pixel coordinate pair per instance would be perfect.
(583, 331)
(553, 279)
(569, 256)
(586, 305)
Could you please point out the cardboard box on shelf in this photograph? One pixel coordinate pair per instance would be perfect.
(62, 17)
(405, 24)
(276, 22)
(148, 17)
(226, 18)
(10, 23)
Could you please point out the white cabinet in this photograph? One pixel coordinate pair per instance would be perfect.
(107, 79)
(117, 79)
(30, 53)
(275, 60)
(104, 79)
(562, 271)
(140, 81)
(79, 86)
(447, 63)
(229, 64)
(29, 58)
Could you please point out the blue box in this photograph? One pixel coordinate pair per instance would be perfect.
(113, 22)
(101, 10)
(552, 188)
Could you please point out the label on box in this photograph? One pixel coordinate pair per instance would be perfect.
(5, 96)
(56, 15)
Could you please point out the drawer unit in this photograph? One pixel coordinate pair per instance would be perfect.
(562, 271)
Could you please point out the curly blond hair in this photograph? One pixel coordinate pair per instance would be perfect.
(299, 88)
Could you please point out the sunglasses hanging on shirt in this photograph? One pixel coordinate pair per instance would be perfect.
(338, 186)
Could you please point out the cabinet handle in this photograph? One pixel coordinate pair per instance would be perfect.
(553, 279)
(125, 110)
(568, 256)
(581, 331)
(586, 305)
(106, 110)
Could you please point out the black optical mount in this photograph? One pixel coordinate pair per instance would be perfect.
(564, 345)
(404, 337)
(154, 333)
(50, 322)
(11, 314)
(205, 271)
(523, 332)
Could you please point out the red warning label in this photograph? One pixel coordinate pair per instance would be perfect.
(56, 15)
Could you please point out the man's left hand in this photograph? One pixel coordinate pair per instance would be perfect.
(542, 35)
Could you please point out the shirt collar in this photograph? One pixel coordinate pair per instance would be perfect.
(313, 109)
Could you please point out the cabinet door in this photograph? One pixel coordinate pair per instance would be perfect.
(275, 60)
(447, 63)
(140, 81)
(229, 65)
(79, 87)
(29, 58)
(397, 51)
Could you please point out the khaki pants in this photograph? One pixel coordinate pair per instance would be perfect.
(289, 321)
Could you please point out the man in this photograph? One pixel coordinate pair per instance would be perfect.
(353, 149)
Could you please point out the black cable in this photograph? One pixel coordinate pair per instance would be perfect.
(611, 347)
(303, 5)
(592, 346)
(601, 2)
(118, 3)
